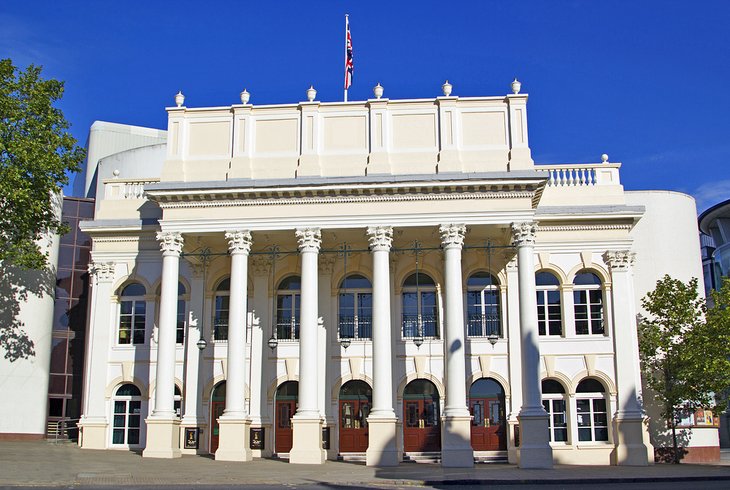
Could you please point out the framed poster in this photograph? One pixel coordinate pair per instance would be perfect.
(191, 437)
(257, 437)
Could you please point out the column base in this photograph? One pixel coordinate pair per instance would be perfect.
(382, 448)
(535, 450)
(630, 448)
(233, 443)
(456, 450)
(187, 424)
(307, 443)
(163, 439)
(93, 433)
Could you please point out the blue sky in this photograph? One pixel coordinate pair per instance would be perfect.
(645, 81)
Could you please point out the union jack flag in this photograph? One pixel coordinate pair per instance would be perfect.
(349, 67)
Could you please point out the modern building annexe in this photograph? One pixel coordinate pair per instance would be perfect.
(390, 278)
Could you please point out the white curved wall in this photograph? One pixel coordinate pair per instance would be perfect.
(666, 240)
(24, 382)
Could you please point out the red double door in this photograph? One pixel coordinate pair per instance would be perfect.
(285, 410)
(421, 431)
(487, 425)
(354, 425)
(216, 410)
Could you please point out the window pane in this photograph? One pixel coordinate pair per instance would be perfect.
(126, 307)
(119, 421)
(583, 405)
(601, 434)
(599, 405)
(584, 434)
(561, 435)
(120, 406)
(133, 436)
(118, 436)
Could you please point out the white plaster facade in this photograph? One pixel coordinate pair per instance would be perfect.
(382, 189)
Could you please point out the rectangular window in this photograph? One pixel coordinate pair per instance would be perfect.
(287, 316)
(588, 306)
(132, 322)
(557, 421)
(220, 321)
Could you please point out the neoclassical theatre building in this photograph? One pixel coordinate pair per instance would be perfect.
(382, 280)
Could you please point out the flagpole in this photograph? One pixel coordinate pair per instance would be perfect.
(346, 25)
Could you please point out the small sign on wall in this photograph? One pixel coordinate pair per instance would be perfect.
(191, 437)
(325, 437)
(257, 437)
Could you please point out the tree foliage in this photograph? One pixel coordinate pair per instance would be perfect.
(36, 155)
(684, 348)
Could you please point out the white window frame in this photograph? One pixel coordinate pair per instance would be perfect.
(544, 305)
(133, 326)
(127, 400)
(585, 291)
(356, 292)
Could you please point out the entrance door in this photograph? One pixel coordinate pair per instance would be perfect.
(421, 432)
(217, 406)
(286, 407)
(355, 399)
(486, 404)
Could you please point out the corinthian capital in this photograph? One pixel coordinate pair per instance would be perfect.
(101, 271)
(239, 241)
(452, 235)
(524, 233)
(380, 237)
(309, 239)
(171, 242)
(619, 260)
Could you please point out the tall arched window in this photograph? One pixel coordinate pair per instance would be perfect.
(420, 307)
(127, 404)
(132, 314)
(591, 411)
(220, 310)
(482, 305)
(288, 300)
(356, 308)
(181, 312)
(549, 316)
(588, 304)
(553, 400)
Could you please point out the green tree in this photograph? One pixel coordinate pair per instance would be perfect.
(36, 155)
(684, 350)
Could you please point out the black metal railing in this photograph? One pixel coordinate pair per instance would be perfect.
(285, 327)
(355, 327)
(425, 326)
(481, 325)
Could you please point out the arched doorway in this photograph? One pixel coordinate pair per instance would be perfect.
(421, 431)
(355, 401)
(486, 405)
(217, 406)
(286, 406)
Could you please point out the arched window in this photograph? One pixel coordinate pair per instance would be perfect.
(553, 400)
(482, 305)
(356, 308)
(591, 411)
(549, 316)
(588, 304)
(132, 314)
(288, 301)
(420, 307)
(220, 310)
(181, 312)
(127, 403)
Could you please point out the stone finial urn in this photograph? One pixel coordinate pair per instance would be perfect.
(311, 93)
(179, 99)
(378, 91)
(516, 86)
(604, 158)
(245, 97)
(446, 87)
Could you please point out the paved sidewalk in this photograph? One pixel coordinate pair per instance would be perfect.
(41, 463)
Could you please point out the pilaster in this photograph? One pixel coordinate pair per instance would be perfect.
(628, 420)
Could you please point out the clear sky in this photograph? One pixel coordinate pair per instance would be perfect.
(647, 82)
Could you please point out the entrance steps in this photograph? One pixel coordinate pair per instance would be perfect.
(352, 457)
(490, 457)
(425, 457)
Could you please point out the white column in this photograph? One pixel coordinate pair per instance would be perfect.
(307, 422)
(234, 423)
(382, 421)
(628, 420)
(163, 427)
(191, 394)
(515, 354)
(94, 423)
(456, 450)
(260, 352)
(535, 450)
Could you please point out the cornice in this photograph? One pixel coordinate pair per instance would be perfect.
(579, 227)
(270, 200)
